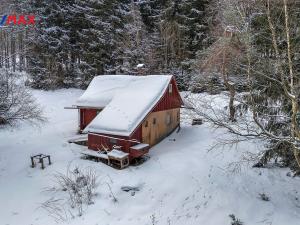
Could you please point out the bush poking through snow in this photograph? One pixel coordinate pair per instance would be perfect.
(80, 186)
(235, 221)
(153, 219)
(56, 208)
(264, 197)
(111, 193)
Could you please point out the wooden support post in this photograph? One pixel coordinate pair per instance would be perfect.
(40, 159)
(42, 162)
(49, 160)
(32, 162)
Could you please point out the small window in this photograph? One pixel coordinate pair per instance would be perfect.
(146, 124)
(178, 116)
(154, 121)
(170, 88)
(168, 119)
(113, 141)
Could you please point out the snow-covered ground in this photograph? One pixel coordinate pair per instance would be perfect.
(181, 183)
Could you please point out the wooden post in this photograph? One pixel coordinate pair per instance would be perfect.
(32, 162)
(42, 162)
(49, 160)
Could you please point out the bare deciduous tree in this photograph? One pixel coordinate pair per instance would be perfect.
(222, 55)
(16, 102)
(269, 110)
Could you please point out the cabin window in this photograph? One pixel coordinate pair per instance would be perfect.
(178, 116)
(113, 141)
(154, 121)
(146, 123)
(168, 119)
(170, 88)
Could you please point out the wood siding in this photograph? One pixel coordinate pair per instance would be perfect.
(169, 100)
(97, 141)
(158, 125)
(86, 116)
(137, 134)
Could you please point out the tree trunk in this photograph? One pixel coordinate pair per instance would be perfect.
(230, 88)
(231, 102)
(2, 121)
(295, 106)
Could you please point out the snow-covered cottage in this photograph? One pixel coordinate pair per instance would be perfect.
(131, 112)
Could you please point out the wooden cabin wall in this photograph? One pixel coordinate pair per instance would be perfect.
(86, 116)
(160, 124)
(170, 100)
(137, 134)
(98, 141)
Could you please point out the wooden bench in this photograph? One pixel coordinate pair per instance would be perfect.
(118, 158)
(113, 158)
(98, 155)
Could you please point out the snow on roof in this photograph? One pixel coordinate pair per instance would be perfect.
(140, 146)
(102, 89)
(129, 104)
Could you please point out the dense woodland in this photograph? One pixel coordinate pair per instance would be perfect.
(75, 40)
(249, 48)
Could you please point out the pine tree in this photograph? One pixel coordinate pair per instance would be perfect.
(78, 39)
(48, 43)
(190, 18)
(102, 36)
(184, 32)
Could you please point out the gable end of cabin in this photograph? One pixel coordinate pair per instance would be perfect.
(163, 119)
